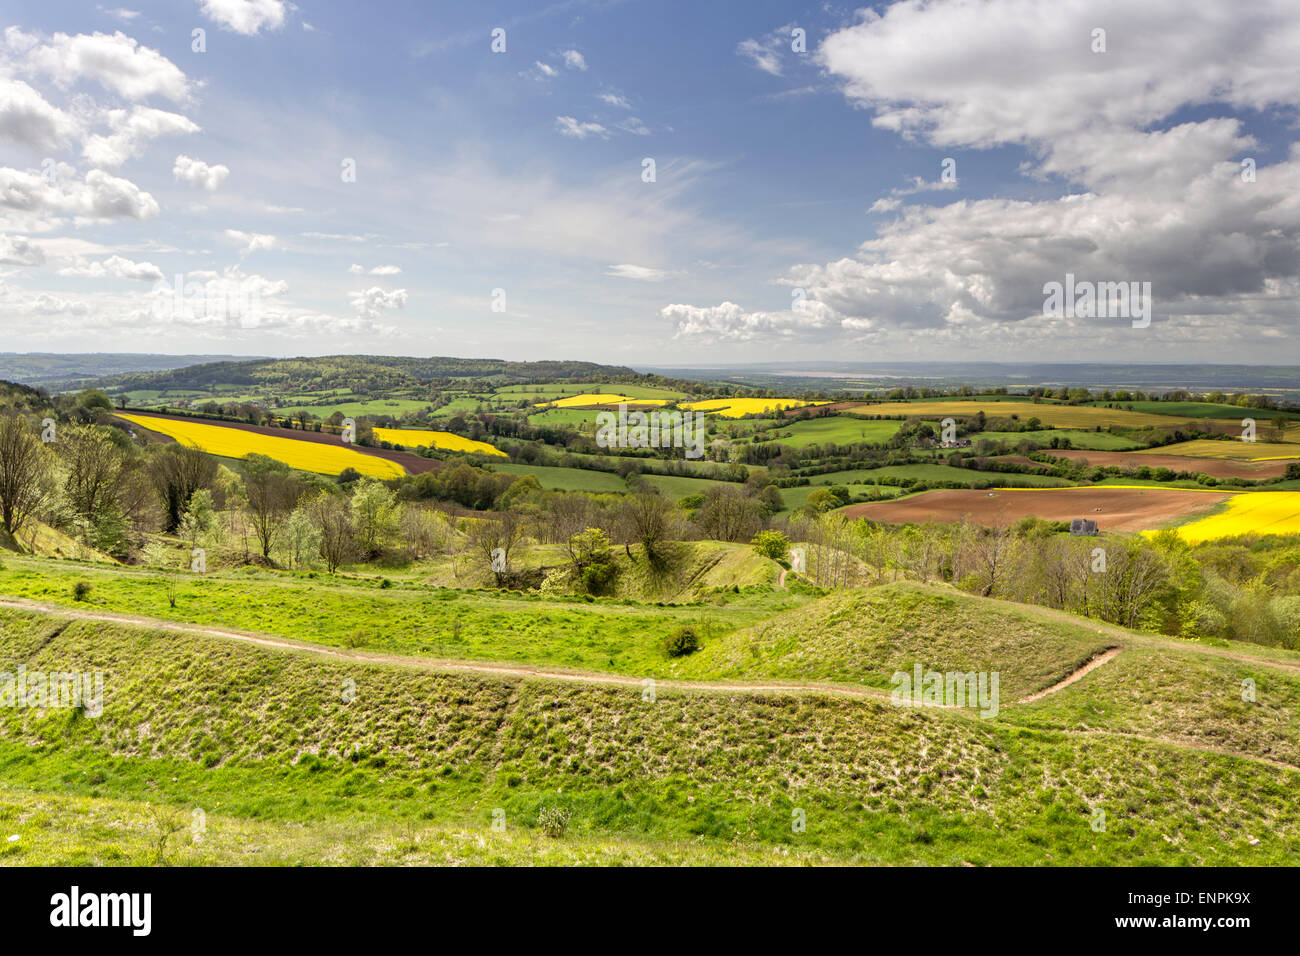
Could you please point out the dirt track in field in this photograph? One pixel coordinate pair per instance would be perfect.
(1214, 467)
(1114, 509)
(414, 464)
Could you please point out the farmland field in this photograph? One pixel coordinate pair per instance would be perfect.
(415, 438)
(736, 407)
(1114, 508)
(1275, 512)
(1070, 416)
(838, 429)
(1078, 438)
(1238, 450)
(230, 442)
(601, 398)
(1215, 467)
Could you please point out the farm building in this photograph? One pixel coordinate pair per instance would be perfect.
(1083, 526)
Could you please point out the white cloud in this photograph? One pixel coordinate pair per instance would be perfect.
(544, 69)
(1144, 201)
(98, 196)
(643, 273)
(117, 63)
(357, 270)
(574, 60)
(131, 133)
(614, 99)
(568, 126)
(115, 267)
(27, 119)
(245, 16)
(200, 174)
(761, 55)
(371, 303)
(20, 251)
(633, 125)
(251, 241)
(730, 322)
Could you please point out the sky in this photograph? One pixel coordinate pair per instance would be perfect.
(651, 183)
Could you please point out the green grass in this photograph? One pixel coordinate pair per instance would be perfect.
(836, 429)
(407, 619)
(289, 768)
(1079, 438)
(935, 473)
(567, 479)
(865, 636)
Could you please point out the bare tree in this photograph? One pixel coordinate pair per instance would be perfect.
(271, 493)
(494, 539)
(24, 473)
(332, 517)
(647, 519)
(94, 468)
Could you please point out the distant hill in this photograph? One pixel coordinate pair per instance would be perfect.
(360, 373)
(59, 372)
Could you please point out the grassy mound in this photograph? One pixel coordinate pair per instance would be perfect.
(297, 749)
(864, 636)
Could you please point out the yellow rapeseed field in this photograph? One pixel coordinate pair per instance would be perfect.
(1259, 512)
(1235, 450)
(735, 407)
(415, 437)
(296, 453)
(1068, 416)
(601, 398)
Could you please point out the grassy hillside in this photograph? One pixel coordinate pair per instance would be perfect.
(270, 746)
(864, 636)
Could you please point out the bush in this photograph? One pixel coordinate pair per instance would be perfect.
(684, 641)
(553, 821)
(81, 591)
(772, 544)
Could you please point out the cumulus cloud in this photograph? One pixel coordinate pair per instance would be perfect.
(117, 63)
(568, 126)
(730, 322)
(545, 69)
(131, 133)
(200, 174)
(115, 267)
(357, 270)
(20, 251)
(28, 119)
(371, 303)
(245, 16)
(97, 196)
(1143, 193)
(614, 99)
(574, 60)
(251, 241)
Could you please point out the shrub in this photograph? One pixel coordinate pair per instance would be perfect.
(772, 544)
(553, 821)
(682, 642)
(81, 590)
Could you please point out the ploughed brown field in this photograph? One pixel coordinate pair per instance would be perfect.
(414, 464)
(1214, 467)
(1114, 509)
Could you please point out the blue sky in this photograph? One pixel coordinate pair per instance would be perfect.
(130, 159)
